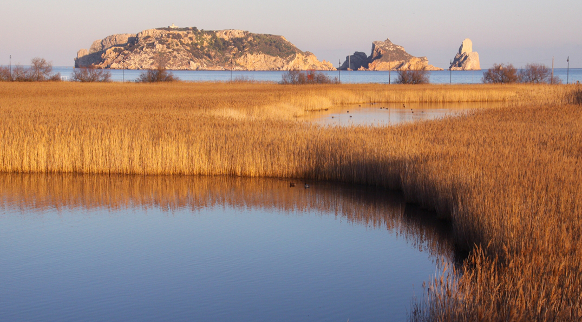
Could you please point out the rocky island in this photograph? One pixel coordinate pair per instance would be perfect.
(466, 58)
(194, 49)
(386, 56)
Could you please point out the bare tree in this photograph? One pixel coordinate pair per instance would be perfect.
(5, 74)
(40, 70)
(412, 76)
(20, 74)
(91, 74)
(159, 73)
(296, 77)
(501, 73)
(534, 73)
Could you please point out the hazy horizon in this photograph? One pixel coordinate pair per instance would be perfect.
(517, 32)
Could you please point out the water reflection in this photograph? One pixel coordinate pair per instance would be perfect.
(386, 114)
(247, 249)
(358, 204)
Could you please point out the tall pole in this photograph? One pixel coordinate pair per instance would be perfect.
(568, 71)
(450, 72)
(552, 80)
(10, 67)
(389, 66)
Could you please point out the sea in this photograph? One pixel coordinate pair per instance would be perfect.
(569, 76)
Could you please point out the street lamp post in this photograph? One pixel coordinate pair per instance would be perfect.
(568, 71)
(339, 70)
(389, 68)
(450, 72)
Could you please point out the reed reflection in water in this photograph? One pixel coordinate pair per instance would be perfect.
(110, 229)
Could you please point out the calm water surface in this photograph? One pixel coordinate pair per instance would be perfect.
(386, 114)
(382, 77)
(119, 248)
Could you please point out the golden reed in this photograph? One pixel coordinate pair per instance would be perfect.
(508, 179)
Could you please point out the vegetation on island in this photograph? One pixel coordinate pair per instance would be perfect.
(206, 44)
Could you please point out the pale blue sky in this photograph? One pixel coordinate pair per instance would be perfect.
(502, 31)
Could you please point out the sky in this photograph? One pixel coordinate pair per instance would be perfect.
(503, 31)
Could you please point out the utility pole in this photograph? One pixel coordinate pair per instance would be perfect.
(552, 80)
(389, 67)
(568, 71)
(10, 67)
(450, 72)
(339, 70)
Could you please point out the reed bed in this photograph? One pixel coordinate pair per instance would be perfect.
(507, 179)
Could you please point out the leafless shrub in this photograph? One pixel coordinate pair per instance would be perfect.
(5, 74)
(501, 73)
(537, 74)
(575, 97)
(412, 76)
(90, 74)
(39, 71)
(296, 77)
(20, 74)
(159, 73)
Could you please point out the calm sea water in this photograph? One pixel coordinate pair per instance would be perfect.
(436, 77)
(123, 248)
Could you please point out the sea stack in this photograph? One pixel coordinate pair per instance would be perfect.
(386, 56)
(466, 58)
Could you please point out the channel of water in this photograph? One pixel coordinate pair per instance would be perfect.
(179, 248)
(389, 114)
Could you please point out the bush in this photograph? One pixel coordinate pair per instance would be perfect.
(296, 77)
(412, 76)
(156, 75)
(39, 71)
(575, 97)
(159, 73)
(90, 74)
(536, 74)
(5, 74)
(501, 73)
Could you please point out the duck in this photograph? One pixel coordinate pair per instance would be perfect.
(292, 184)
(306, 186)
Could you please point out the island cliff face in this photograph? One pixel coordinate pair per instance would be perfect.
(466, 58)
(193, 49)
(386, 56)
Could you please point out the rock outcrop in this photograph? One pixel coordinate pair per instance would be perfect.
(386, 56)
(193, 49)
(466, 58)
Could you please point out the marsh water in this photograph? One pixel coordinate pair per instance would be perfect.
(388, 114)
(171, 248)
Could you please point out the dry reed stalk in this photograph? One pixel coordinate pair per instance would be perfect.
(507, 179)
